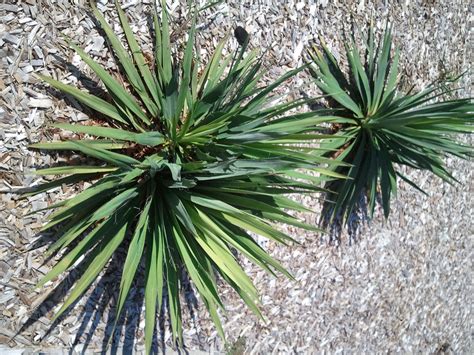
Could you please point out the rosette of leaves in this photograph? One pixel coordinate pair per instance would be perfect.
(191, 161)
(377, 127)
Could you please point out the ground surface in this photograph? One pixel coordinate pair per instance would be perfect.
(406, 286)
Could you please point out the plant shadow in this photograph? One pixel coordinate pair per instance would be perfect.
(86, 82)
(336, 226)
(99, 310)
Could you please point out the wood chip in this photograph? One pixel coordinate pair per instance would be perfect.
(40, 103)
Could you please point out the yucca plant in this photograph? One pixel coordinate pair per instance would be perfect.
(192, 161)
(379, 127)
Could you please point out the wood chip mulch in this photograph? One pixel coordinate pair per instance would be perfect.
(405, 286)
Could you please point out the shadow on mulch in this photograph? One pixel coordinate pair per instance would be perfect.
(352, 226)
(119, 336)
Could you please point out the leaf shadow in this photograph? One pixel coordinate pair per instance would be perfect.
(337, 226)
(87, 83)
(119, 336)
